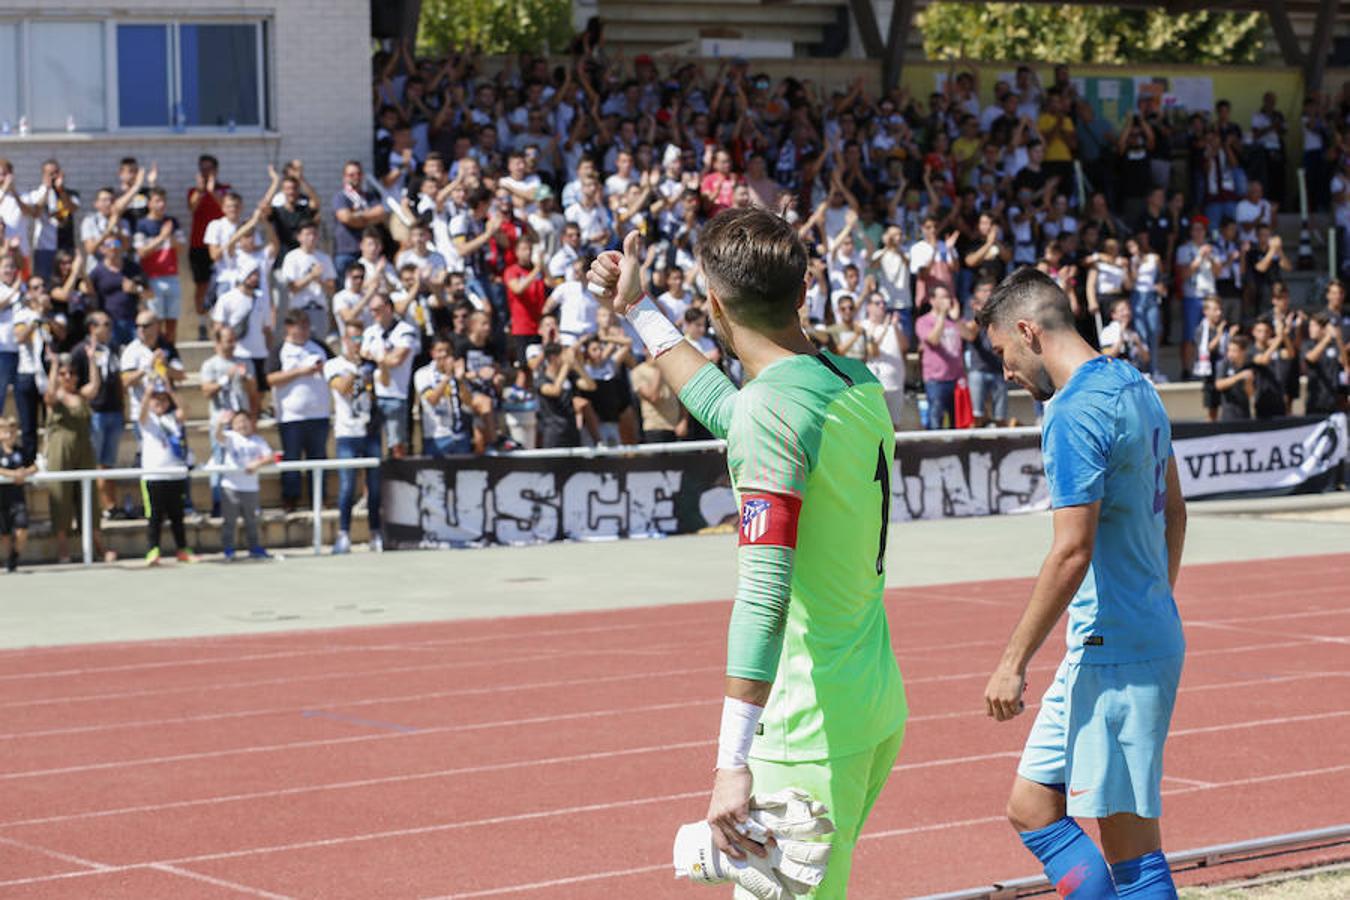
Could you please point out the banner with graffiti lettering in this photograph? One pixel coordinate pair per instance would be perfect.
(682, 489)
(527, 498)
(1224, 459)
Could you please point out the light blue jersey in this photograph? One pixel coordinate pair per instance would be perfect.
(1107, 437)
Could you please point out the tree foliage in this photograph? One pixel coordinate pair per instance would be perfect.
(1030, 32)
(495, 26)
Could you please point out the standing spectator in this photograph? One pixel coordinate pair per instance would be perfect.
(886, 347)
(575, 304)
(245, 311)
(68, 447)
(610, 417)
(1268, 129)
(443, 395)
(1266, 264)
(294, 205)
(351, 305)
(71, 294)
(310, 279)
(220, 244)
(97, 362)
(1120, 340)
(1317, 138)
(130, 183)
(984, 367)
(295, 375)
(940, 342)
(204, 200)
(13, 504)
(32, 335)
(1253, 211)
(351, 381)
(164, 446)
(54, 209)
(933, 263)
(1211, 341)
(11, 302)
(245, 453)
(1272, 358)
(569, 249)
(229, 383)
(355, 208)
(119, 286)
(1235, 381)
(664, 419)
(677, 297)
(592, 218)
(14, 212)
(526, 295)
(482, 354)
(1146, 275)
(893, 278)
(1328, 366)
(520, 403)
(1197, 269)
(148, 362)
(391, 343)
(157, 241)
(558, 378)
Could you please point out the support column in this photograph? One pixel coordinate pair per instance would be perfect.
(897, 38)
(1316, 63)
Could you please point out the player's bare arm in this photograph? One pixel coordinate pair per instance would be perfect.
(1175, 516)
(1061, 574)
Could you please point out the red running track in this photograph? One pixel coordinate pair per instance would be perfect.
(555, 756)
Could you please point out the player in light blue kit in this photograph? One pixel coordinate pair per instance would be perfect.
(1096, 748)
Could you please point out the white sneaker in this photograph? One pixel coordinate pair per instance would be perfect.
(343, 544)
(376, 543)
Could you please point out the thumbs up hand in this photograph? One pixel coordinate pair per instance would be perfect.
(615, 278)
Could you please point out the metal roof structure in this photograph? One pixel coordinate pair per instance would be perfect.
(1311, 59)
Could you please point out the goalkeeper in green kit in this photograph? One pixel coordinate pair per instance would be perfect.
(814, 700)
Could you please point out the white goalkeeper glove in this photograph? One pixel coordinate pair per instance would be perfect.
(793, 865)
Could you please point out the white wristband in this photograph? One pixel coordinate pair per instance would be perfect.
(739, 721)
(656, 331)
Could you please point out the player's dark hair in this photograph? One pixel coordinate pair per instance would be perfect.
(1030, 294)
(756, 263)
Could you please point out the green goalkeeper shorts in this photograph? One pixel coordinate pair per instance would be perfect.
(849, 786)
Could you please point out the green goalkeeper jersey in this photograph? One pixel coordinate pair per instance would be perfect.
(810, 448)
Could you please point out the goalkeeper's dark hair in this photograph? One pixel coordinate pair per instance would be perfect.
(756, 263)
(1028, 294)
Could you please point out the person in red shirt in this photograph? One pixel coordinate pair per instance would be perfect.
(157, 240)
(204, 201)
(526, 294)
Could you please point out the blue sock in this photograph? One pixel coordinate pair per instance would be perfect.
(1146, 877)
(1072, 862)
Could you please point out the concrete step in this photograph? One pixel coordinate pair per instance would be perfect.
(129, 539)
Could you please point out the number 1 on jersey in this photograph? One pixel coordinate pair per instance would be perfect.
(884, 476)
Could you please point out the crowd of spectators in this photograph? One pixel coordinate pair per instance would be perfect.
(438, 304)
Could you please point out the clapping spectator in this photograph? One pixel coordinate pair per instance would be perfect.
(119, 287)
(391, 343)
(244, 310)
(1328, 363)
(68, 447)
(886, 347)
(303, 406)
(940, 343)
(558, 378)
(351, 380)
(355, 209)
(446, 404)
(244, 453)
(310, 279)
(157, 241)
(148, 363)
(13, 503)
(1235, 380)
(1120, 340)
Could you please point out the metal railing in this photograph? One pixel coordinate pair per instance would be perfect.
(1180, 861)
(87, 477)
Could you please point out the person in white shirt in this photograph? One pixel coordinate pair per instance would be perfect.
(351, 381)
(446, 403)
(11, 302)
(677, 298)
(575, 304)
(52, 205)
(886, 345)
(1120, 340)
(295, 374)
(244, 453)
(592, 217)
(522, 184)
(149, 362)
(245, 309)
(568, 252)
(310, 279)
(14, 213)
(352, 303)
(1253, 211)
(218, 233)
(391, 343)
(164, 447)
(893, 277)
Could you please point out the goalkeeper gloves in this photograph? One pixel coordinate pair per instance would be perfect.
(793, 866)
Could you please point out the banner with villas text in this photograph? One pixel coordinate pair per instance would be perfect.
(475, 501)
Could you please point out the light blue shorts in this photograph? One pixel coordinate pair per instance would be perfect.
(168, 301)
(1100, 733)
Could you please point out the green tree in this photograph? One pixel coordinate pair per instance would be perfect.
(495, 26)
(1028, 32)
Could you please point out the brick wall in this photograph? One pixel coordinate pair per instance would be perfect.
(318, 61)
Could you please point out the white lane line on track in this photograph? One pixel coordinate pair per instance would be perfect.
(556, 882)
(218, 882)
(55, 854)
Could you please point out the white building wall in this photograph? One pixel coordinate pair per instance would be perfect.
(319, 77)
